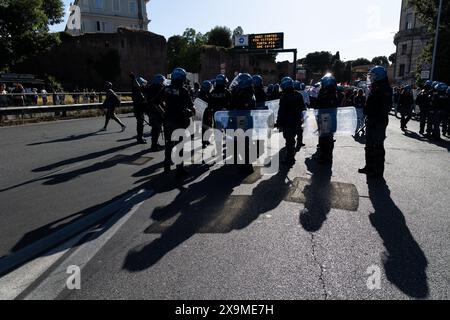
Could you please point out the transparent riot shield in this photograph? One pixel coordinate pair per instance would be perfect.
(259, 122)
(326, 122)
(200, 107)
(274, 106)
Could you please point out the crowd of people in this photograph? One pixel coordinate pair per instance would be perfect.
(170, 106)
(19, 96)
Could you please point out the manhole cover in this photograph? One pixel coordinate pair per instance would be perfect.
(341, 196)
(130, 160)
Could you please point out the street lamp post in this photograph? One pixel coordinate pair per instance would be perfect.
(436, 41)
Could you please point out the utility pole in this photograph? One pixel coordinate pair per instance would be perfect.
(436, 41)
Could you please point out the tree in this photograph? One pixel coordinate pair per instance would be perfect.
(393, 58)
(319, 61)
(220, 36)
(24, 28)
(184, 51)
(380, 61)
(361, 62)
(427, 11)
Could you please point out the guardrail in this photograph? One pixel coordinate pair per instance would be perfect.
(22, 111)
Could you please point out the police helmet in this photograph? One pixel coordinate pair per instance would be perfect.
(257, 81)
(287, 83)
(207, 86)
(377, 74)
(276, 88)
(270, 88)
(328, 81)
(302, 86)
(158, 79)
(441, 87)
(245, 81)
(179, 74)
(297, 85)
(221, 80)
(428, 84)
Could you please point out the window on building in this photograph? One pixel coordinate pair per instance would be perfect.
(404, 49)
(116, 5)
(409, 21)
(98, 4)
(401, 72)
(132, 5)
(98, 26)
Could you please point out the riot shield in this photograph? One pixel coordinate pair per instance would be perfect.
(200, 107)
(274, 106)
(258, 122)
(326, 122)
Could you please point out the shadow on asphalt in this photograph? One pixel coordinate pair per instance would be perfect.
(405, 263)
(443, 144)
(318, 197)
(70, 138)
(203, 209)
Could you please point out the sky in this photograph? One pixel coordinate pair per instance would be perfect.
(355, 28)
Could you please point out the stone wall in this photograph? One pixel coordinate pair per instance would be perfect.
(83, 61)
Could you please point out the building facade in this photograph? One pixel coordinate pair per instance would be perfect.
(106, 16)
(412, 37)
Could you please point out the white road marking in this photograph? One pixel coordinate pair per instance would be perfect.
(53, 285)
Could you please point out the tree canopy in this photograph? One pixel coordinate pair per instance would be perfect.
(381, 61)
(24, 28)
(427, 11)
(220, 36)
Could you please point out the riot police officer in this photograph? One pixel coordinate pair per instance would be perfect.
(244, 99)
(405, 106)
(220, 97)
(207, 121)
(154, 94)
(377, 110)
(260, 95)
(424, 102)
(440, 103)
(179, 111)
(446, 125)
(301, 87)
(139, 106)
(327, 99)
(290, 116)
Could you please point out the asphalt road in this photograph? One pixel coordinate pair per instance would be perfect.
(304, 233)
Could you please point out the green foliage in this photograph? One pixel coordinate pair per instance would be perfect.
(381, 61)
(319, 62)
(361, 62)
(220, 36)
(393, 58)
(24, 28)
(427, 11)
(184, 51)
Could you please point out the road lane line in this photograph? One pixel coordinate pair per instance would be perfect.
(53, 285)
(8, 263)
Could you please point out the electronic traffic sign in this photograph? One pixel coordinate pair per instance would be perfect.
(266, 41)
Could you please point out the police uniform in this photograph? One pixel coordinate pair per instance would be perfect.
(377, 112)
(139, 108)
(424, 102)
(290, 119)
(440, 105)
(155, 99)
(406, 103)
(327, 99)
(179, 110)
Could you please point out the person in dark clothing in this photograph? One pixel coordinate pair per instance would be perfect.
(111, 102)
(360, 103)
(260, 95)
(139, 106)
(406, 103)
(207, 121)
(179, 111)
(446, 125)
(424, 103)
(220, 97)
(328, 99)
(154, 94)
(377, 112)
(290, 116)
(244, 99)
(440, 104)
